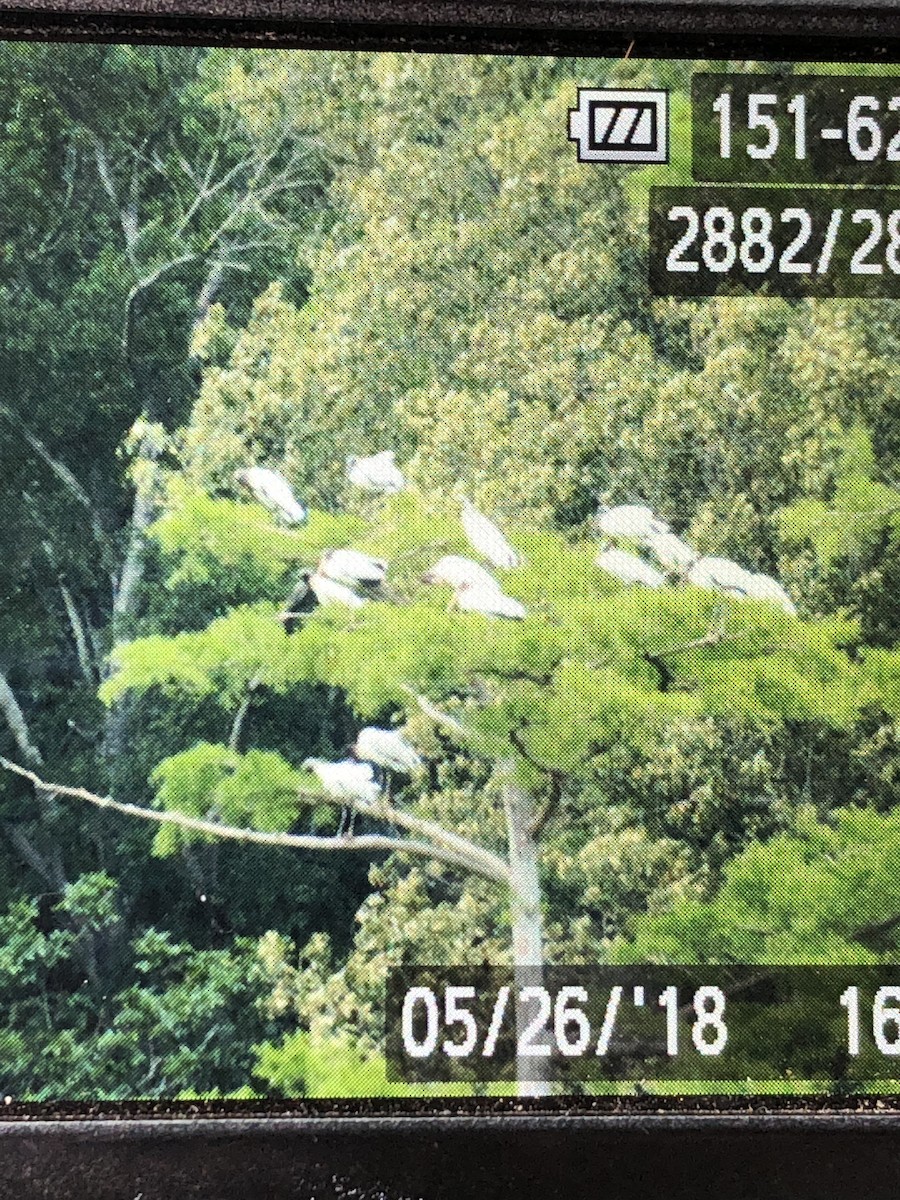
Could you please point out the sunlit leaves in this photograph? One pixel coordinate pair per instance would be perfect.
(258, 790)
(818, 894)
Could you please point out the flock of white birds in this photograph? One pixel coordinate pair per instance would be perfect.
(350, 577)
(681, 563)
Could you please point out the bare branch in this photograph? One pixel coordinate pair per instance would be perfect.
(439, 716)
(555, 777)
(78, 633)
(60, 470)
(486, 863)
(240, 716)
(373, 842)
(141, 286)
(46, 869)
(18, 726)
(103, 170)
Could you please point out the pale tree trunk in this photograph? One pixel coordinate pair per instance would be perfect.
(526, 921)
(146, 475)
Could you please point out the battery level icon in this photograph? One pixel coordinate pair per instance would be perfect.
(621, 125)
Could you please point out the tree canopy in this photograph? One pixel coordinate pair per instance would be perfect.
(285, 258)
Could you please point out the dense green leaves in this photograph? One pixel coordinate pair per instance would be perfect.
(402, 252)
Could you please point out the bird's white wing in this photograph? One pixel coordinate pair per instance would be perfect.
(634, 521)
(490, 602)
(376, 473)
(629, 568)
(457, 571)
(274, 491)
(388, 749)
(353, 567)
(329, 591)
(487, 539)
(671, 551)
(764, 587)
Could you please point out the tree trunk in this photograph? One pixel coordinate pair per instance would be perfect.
(116, 736)
(526, 921)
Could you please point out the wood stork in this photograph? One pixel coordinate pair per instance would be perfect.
(487, 539)
(629, 568)
(376, 473)
(721, 575)
(671, 551)
(325, 590)
(353, 568)
(456, 570)
(301, 601)
(764, 587)
(469, 597)
(272, 490)
(349, 781)
(387, 748)
(635, 521)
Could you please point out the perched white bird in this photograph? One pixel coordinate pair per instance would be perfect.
(456, 570)
(671, 551)
(721, 575)
(387, 748)
(634, 521)
(353, 568)
(329, 591)
(629, 568)
(491, 601)
(376, 473)
(487, 539)
(764, 587)
(273, 490)
(345, 780)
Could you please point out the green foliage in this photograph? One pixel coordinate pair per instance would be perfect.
(186, 1022)
(257, 789)
(818, 894)
(335, 1069)
(490, 324)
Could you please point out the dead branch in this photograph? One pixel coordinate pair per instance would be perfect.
(555, 778)
(60, 470)
(439, 716)
(374, 842)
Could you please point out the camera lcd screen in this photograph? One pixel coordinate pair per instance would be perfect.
(450, 575)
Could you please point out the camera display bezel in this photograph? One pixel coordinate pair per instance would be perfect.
(367, 1136)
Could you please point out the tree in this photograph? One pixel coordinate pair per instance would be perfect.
(593, 666)
(137, 199)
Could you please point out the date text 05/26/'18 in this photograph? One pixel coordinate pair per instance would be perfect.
(825, 1024)
(707, 241)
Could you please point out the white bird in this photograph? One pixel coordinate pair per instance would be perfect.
(387, 748)
(488, 600)
(487, 539)
(329, 591)
(671, 551)
(376, 473)
(272, 490)
(346, 780)
(456, 570)
(635, 521)
(764, 587)
(629, 568)
(352, 568)
(721, 575)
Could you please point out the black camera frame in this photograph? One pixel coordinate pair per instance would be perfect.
(623, 1147)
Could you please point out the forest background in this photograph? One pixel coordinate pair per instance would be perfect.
(212, 258)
